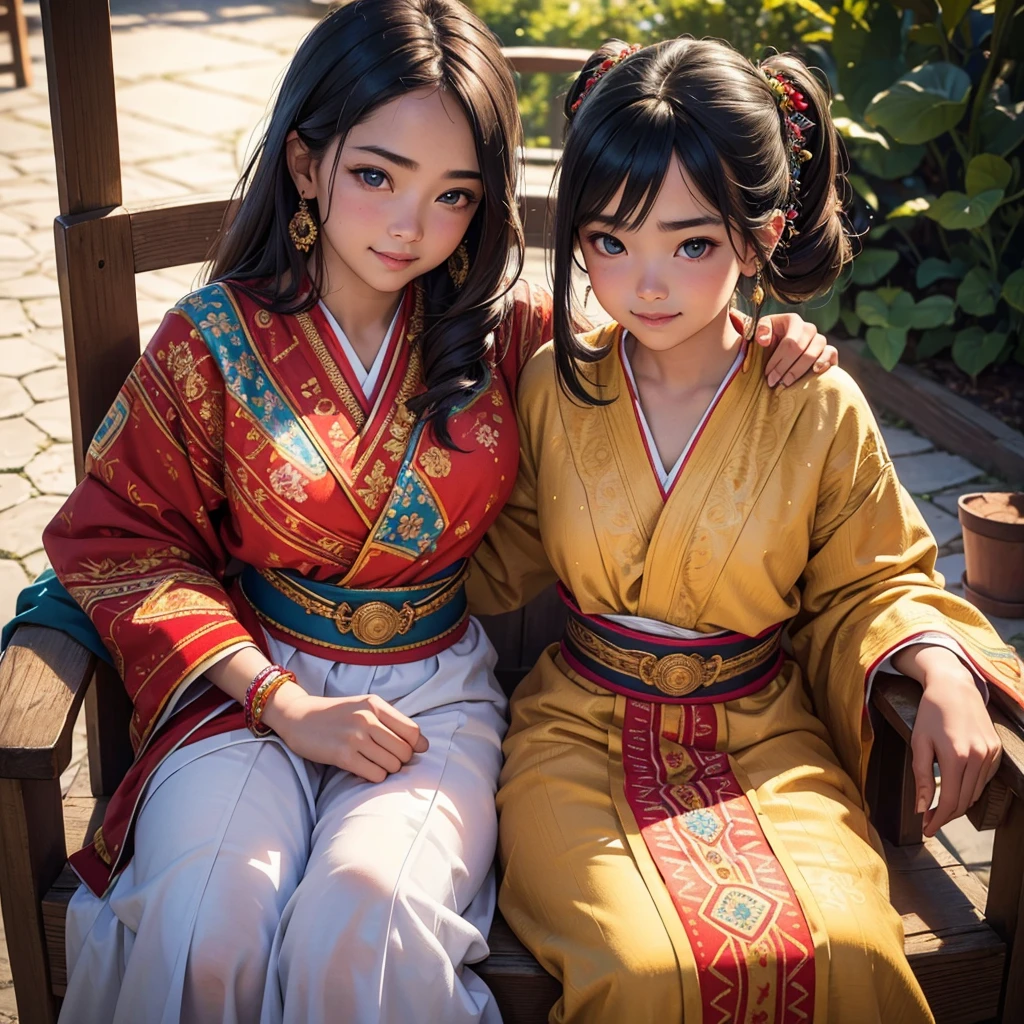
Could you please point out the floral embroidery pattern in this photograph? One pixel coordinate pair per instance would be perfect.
(289, 482)
(487, 436)
(378, 483)
(409, 526)
(401, 428)
(436, 462)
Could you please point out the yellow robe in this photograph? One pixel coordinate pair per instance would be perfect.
(767, 902)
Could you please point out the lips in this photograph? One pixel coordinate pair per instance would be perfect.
(655, 319)
(395, 260)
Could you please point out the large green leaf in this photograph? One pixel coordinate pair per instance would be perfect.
(864, 190)
(933, 269)
(931, 343)
(978, 292)
(1002, 126)
(887, 343)
(873, 264)
(987, 172)
(872, 309)
(1013, 289)
(923, 104)
(953, 12)
(956, 211)
(901, 311)
(973, 349)
(933, 311)
(824, 314)
(888, 164)
(851, 322)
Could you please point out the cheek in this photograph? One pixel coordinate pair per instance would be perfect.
(445, 229)
(352, 209)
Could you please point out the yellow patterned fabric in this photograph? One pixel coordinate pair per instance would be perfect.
(787, 509)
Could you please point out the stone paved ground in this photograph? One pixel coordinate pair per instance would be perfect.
(193, 78)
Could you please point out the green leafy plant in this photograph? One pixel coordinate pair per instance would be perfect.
(929, 100)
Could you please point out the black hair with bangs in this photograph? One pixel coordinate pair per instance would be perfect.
(704, 102)
(359, 57)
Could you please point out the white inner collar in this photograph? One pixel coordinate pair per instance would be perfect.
(667, 477)
(366, 378)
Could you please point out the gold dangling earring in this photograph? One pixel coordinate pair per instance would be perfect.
(458, 265)
(757, 295)
(302, 228)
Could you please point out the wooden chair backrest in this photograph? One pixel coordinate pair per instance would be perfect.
(101, 245)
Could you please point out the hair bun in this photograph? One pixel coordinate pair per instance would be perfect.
(610, 49)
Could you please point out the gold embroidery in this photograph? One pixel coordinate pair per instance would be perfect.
(172, 601)
(263, 318)
(496, 399)
(212, 414)
(331, 369)
(401, 428)
(310, 388)
(289, 483)
(436, 462)
(337, 434)
(378, 483)
(463, 528)
(136, 498)
(217, 324)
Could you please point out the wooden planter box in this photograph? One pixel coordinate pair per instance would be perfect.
(937, 413)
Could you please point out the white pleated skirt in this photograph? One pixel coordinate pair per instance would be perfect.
(267, 889)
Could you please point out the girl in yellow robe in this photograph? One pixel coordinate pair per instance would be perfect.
(683, 829)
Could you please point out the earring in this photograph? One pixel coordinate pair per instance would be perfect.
(586, 295)
(757, 295)
(302, 228)
(458, 265)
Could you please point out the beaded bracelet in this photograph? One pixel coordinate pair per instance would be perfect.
(265, 682)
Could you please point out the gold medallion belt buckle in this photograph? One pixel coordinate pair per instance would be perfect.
(678, 674)
(374, 623)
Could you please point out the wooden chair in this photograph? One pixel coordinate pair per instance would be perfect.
(965, 946)
(12, 21)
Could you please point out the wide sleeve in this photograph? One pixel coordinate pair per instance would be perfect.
(510, 566)
(137, 543)
(870, 586)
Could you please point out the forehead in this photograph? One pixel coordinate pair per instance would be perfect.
(428, 126)
(677, 199)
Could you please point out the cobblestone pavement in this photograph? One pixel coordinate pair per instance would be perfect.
(193, 78)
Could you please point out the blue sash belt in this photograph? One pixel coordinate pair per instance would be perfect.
(703, 670)
(338, 622)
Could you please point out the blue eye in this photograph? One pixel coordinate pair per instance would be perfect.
(454, 198)
(372, 177)
(609, 245)
(695, 248)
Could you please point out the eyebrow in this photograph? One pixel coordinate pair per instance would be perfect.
(671, 225)
(412, 165)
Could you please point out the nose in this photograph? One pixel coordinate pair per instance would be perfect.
(651, 286)
(406, 223)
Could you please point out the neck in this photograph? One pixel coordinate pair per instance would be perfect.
(699, 361)
(363, 312)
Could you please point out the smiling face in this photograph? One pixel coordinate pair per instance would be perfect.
(672, 277)
(407, 186)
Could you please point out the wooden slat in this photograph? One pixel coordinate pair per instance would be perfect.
(173, 233)
(108, 718)
(13, 23)
(1005, 907)
(32, 854)
(891, 786)
(83, 113)
(95, 268)
(43, 678)
(554, 59)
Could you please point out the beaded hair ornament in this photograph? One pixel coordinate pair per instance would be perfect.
(600, 71)
(795, 124)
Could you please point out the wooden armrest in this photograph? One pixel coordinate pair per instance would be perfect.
(44, 674)
(897, 698)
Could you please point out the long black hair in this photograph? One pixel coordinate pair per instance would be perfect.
(358, 58)
(706, 103)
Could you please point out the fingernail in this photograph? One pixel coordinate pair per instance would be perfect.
(773, 379)
(922, 804)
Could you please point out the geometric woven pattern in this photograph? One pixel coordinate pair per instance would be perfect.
(748, 934)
